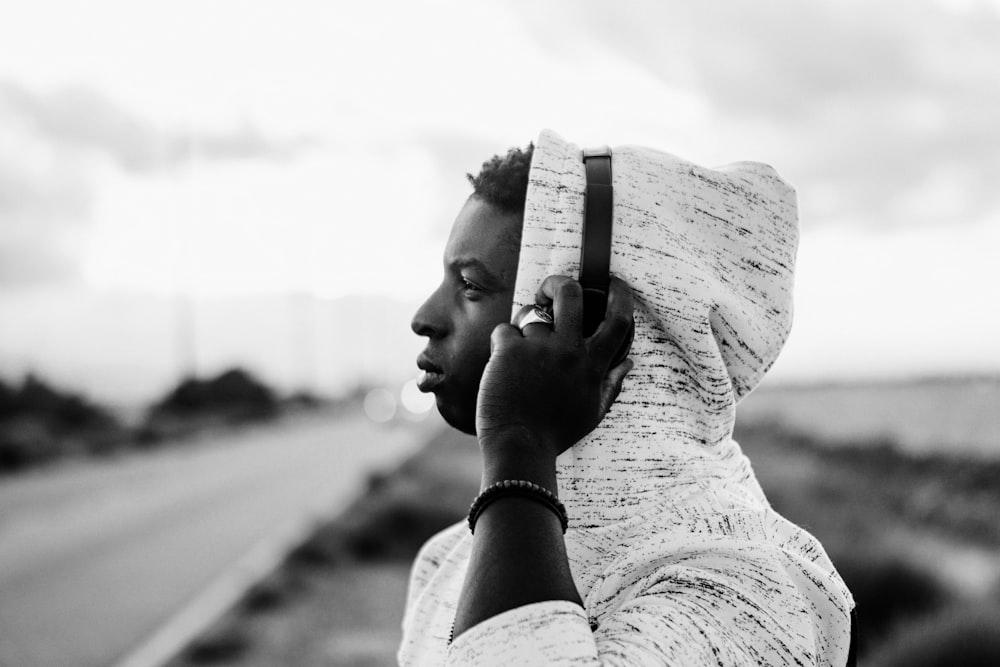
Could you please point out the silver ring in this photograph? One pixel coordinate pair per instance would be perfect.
(536, 315)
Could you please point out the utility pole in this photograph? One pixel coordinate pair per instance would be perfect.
(185, 330)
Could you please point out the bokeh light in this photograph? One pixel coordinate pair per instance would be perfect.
(380, 405)
(415, 401)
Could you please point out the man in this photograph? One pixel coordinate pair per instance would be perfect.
(663, 549)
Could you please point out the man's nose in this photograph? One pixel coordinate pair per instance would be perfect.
(428, 320)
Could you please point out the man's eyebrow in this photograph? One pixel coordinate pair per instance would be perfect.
(471, 262)
(466, 262)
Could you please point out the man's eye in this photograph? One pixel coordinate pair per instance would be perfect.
(470, 286)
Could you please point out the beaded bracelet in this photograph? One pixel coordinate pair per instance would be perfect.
(516, 487)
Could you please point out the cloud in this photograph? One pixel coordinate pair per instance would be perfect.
(244, 143)
(44, 200)
(79, 118)
(29, 264)
(53, 145)
(84, 119)
(871, 105)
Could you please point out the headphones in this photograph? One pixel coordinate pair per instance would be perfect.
(595, 248)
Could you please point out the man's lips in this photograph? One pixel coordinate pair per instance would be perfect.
(432, 375)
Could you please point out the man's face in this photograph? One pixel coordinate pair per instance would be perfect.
(475, 295)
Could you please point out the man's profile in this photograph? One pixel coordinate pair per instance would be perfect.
(672, 554)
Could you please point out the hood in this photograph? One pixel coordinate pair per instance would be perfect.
(709, 254)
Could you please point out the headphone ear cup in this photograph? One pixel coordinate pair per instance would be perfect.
(595, 305)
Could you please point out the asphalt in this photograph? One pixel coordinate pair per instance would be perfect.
(121, 562)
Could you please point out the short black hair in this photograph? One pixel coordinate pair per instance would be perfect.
(503, 180)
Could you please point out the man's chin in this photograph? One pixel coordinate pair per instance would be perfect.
(456, 418)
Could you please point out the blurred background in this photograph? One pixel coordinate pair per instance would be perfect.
(222, 213)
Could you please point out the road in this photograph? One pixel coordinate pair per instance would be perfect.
(96, 557)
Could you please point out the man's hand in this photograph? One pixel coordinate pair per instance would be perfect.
(545, 388)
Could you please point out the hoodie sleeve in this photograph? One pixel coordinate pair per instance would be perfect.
(544, 633)
(684, 616)
(649, 632)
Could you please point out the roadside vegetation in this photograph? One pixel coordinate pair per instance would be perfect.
(41, 424)
(914, 536)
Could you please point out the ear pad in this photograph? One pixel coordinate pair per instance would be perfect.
(595, 305)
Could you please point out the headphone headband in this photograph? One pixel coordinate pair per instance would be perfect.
(595, 250)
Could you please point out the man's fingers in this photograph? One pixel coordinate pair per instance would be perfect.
(612, 385)
(617, 325)
(501, 335)
(566, 297)
(620, 298)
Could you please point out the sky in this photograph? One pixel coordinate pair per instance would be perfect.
(189, 185)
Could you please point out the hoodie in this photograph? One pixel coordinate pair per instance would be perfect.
(674, 549)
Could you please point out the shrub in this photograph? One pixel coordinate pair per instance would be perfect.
(378, 527)
(234, 392)
(223, 644)
(39, 423)
(234, 397)
(397, 530)
(7, 400)
(324, 548)
(888, 590)
(25, 441)
(967, 636)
